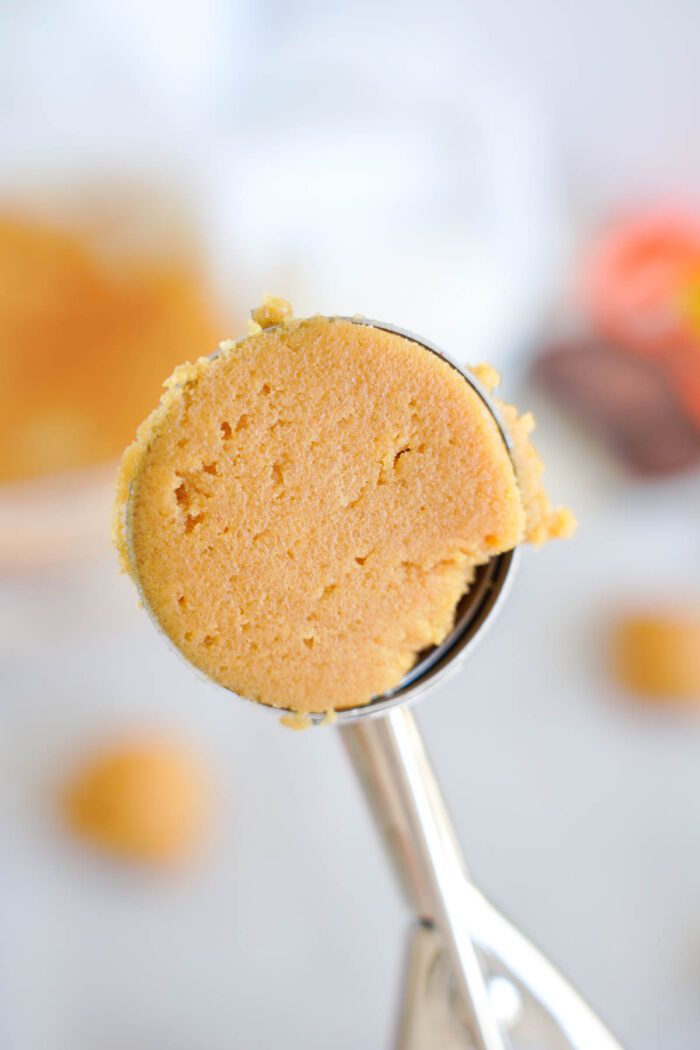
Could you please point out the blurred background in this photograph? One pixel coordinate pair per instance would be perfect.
(518, 182)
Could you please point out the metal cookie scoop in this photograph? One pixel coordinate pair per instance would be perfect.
(472, 981)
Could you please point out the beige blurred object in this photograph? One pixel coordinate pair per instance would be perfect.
(102, 291)
(143, 799)
(657, 655)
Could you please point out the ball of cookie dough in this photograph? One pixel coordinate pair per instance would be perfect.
(140, 799)
(657, 656)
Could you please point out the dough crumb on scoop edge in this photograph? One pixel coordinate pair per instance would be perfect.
(304, 547)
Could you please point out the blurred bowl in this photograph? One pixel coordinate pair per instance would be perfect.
(104, 294)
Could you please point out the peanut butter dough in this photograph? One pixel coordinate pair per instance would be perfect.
(85, 341)
(307, 507)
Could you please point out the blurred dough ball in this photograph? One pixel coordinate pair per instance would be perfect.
(657, 656)
(141, 799)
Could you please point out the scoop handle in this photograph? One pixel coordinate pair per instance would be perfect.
(391, 762)
(393, 766)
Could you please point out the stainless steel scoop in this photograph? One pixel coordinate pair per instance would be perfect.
(472, 981)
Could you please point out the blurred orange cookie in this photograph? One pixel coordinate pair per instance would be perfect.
(143, 800)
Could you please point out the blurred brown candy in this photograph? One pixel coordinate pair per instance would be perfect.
(628, 400)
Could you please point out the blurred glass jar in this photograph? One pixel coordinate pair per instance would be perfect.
(104, 277)
(347, 159)
(393, 166)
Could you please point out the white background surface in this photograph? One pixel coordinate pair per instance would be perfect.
(577, 809)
